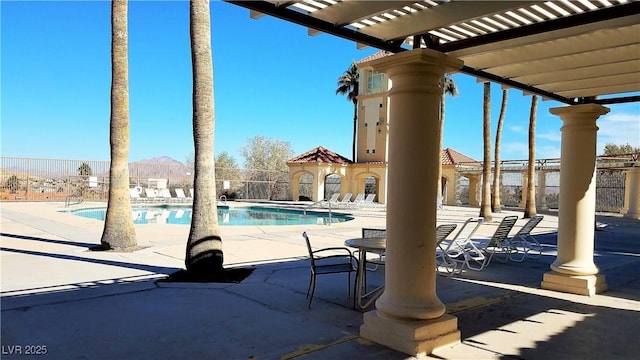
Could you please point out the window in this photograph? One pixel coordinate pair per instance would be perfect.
(375, 82)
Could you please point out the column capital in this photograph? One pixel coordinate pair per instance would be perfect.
(581, 109)
(417, 56)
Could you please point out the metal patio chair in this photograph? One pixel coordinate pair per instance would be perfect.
(338, 260)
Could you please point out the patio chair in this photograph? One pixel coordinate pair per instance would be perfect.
(338, 260)
(482, 250)
(368, 233)
(450, 254)
(523, 243)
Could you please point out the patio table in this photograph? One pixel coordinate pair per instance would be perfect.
(364, 298)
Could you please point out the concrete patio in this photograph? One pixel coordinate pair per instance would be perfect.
(103, 305)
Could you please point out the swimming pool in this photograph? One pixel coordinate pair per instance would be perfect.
(239, 216)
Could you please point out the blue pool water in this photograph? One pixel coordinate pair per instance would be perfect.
(253, 215)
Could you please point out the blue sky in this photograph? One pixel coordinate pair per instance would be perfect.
(271, 79)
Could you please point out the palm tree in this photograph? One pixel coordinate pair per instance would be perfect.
(348, 85)
(119, 232)
(204, 256)
(448, 87)
(485, 206)
(495, 201)
(530, 204)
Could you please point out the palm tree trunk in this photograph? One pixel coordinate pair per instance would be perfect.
(204, 256)
(119, 232)
(485, 206)
(530, 204)
(495, 201)
(355, 129)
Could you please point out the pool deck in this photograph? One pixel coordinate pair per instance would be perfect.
(106, 305)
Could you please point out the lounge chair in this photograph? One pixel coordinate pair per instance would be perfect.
(337, 260)
(333, 200)
(135, 195)
(482, 250)
(152, 194)
(368, 201)
(442, 231)
(522, 243)
(346, 200)
(180, 195)
(358, 201)
(450, 254)
(165, 194)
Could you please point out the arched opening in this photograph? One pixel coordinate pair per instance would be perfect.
(332, 185)
(305, 186)
(372, 186)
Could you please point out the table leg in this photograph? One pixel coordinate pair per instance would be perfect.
(372, 295)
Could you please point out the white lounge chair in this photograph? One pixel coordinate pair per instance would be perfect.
(152, 195)
(165, 194)
(523, 244)
(358, 201)
(346, 200)
(135, 195)
(482, 250)
(368, 201)
(333, 200)
(181, 196)
(450, 254)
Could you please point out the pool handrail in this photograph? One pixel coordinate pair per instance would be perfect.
(304, 211)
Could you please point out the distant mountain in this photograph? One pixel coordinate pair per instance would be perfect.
(160, 160)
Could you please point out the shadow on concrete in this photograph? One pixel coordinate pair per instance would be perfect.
(59, 242)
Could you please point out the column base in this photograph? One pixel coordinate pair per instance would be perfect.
(574, 284)
(629, 215)
(416, 338)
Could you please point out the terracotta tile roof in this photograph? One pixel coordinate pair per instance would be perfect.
(378, 55)
(319, 155)
(452, 157)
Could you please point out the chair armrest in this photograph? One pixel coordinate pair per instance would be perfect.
(333, 249)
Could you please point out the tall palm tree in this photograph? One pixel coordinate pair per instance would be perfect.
(348, 84)
(119, 232)
(530, 204)
(485, 206)
(204, 256)
(449, 87)
(495, 200)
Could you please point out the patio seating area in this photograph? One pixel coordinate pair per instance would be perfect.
(59, 294)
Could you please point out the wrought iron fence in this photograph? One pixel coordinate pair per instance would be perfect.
(57, 180)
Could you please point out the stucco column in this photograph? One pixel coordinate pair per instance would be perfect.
(474, 183)
(541, 198)
(409, 317)
(294, 186)
(525, 188)
(632, 194)
(574, 270)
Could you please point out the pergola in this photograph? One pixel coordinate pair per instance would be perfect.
(584, 54)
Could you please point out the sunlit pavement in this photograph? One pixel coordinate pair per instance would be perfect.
(61, 298)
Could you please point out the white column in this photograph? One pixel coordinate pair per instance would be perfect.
(574, 270)
(632, 192)
(409, 316)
